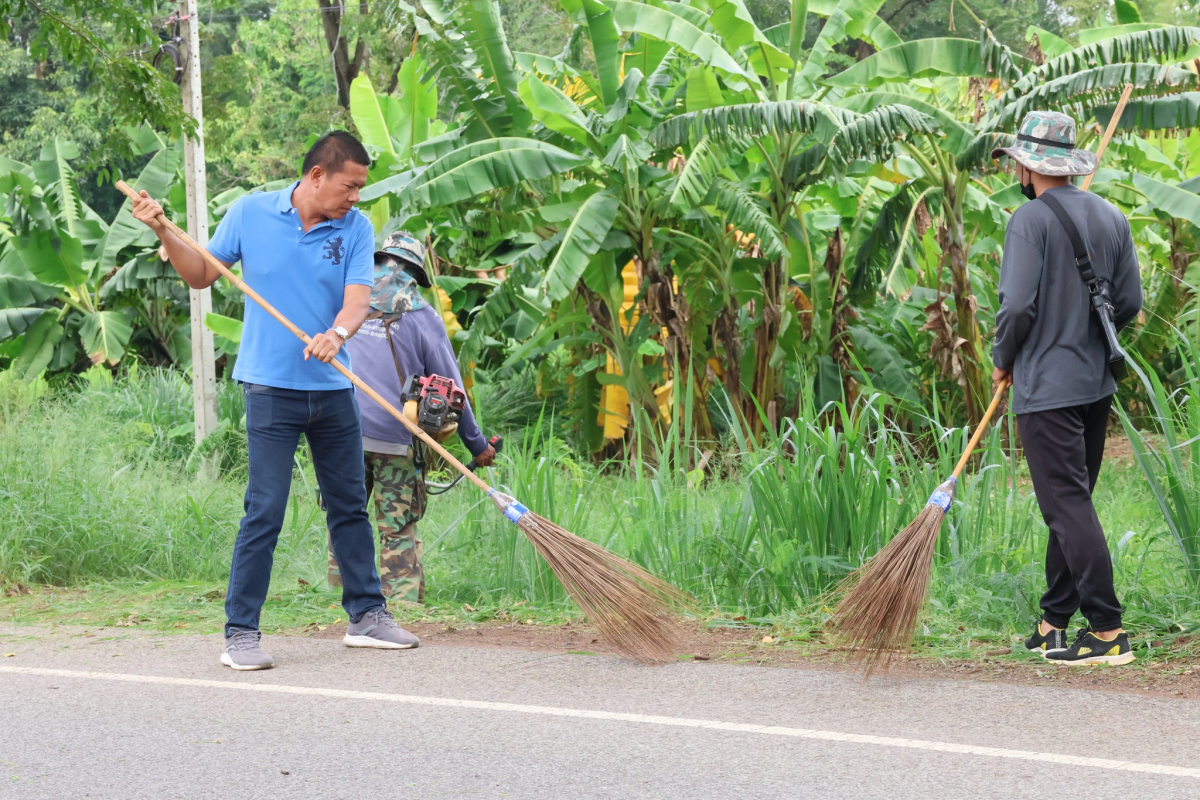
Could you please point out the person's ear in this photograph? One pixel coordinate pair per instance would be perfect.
(317, 174)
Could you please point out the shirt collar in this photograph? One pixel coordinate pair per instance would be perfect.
(284, 205)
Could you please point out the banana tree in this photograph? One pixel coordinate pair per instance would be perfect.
(556, 175)
(794, 142)
(59, 256)
(977, 91)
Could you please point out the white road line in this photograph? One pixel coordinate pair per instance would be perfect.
(644, 719)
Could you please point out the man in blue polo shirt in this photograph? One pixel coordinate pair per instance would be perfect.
(311, 255)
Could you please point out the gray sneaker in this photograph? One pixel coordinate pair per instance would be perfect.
(378, 628)
(242, 651)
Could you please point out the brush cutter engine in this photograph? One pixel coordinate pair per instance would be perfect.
(435, 404)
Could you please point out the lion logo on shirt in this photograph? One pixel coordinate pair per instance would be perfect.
(334, 251)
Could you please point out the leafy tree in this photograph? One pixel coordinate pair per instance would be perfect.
(110, 40)
(73, 283)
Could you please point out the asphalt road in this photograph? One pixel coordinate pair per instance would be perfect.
(163, 719)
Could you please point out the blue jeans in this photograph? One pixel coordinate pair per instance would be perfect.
(275, 418)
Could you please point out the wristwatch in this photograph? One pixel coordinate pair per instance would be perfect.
(342, 332)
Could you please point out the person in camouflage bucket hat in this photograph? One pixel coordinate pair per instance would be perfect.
(1049, 346)
(1046, 145)
(402, 336)
(399, 269)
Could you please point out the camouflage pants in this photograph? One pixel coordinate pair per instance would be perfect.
(399, 492)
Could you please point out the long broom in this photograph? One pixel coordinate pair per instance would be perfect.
(882, 599)
(629, 606)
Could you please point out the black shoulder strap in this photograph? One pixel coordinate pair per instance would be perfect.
(389, 319)
(1082, 259)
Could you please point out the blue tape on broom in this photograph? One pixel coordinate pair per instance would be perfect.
(515, 511)
(940, 498)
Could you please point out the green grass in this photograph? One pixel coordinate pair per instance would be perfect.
(102, 497)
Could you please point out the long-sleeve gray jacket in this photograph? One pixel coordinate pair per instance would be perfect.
(423, 349)
(1046, 332)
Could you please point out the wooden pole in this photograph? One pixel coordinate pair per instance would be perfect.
(204, 371)
(1108, 133)
(980, 428)
(304, 337)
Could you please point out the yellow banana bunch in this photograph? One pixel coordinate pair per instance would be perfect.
(448, 317)
(742, 240)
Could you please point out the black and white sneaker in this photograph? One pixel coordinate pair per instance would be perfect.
(1052, 642)
(1091, 649)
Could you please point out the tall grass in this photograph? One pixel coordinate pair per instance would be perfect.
(800, 511)
(100, 482)
(1172, 465)
(93, 487)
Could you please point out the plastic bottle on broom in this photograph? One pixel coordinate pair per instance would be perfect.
(629, 606)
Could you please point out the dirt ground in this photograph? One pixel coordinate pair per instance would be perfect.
(750, 646)
(1117, 449)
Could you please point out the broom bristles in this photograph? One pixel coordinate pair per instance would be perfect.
(630, 607)
(878, 612)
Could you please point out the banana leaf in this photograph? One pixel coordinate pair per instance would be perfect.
(1093, 35)
(374, 115)
(105, 335)
(485, 32)
(661, 24)
(15, 321)
(580, 241)
(483, 166)
(923, 58)
(958, 135)
(847, 20)
(1155, 113)
(155, 178)
(54, 173)
(1173, 200)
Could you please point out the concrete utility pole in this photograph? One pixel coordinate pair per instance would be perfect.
(204, 371)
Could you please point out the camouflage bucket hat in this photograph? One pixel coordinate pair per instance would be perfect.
(1046, 145)
(406, 247)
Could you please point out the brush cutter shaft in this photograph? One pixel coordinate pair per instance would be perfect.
(1108, 133)
(983, 423)
(304, 337)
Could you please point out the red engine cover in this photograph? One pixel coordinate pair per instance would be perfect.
(436, 384)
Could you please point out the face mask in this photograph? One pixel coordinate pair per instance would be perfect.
(1027, 190)
(395, 289)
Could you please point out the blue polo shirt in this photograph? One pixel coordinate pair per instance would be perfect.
(304, 275)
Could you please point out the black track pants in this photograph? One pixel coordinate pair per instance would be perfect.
(1064, 448)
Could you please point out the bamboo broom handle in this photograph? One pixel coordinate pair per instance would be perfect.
(983, 423)
(1108, 133)
(304, 337)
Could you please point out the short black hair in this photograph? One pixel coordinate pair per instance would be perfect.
(333, 150)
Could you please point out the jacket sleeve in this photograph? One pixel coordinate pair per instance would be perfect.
(1020, 276)
(1126, 282)
(440, 360)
